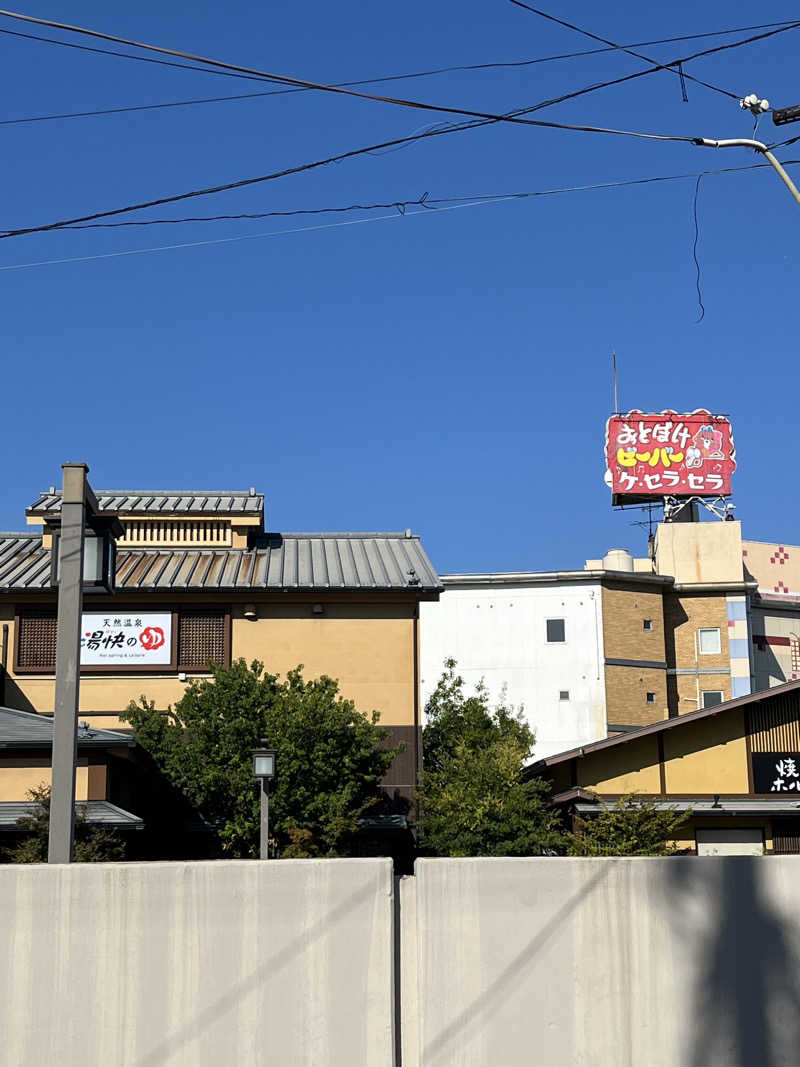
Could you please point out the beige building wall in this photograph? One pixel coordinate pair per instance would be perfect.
(631, 768)
(635, 657)
(709, 756)
(367, 645)
(19, 774)
(691, 671)
(694, 552)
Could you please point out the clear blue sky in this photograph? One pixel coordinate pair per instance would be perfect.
(446, 372)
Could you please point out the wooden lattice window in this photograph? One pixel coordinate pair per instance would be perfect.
(36, 641)
(202, 638)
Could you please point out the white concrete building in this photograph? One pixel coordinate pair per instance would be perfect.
(539, 636)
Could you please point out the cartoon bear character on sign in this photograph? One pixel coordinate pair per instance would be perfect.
(706, 444)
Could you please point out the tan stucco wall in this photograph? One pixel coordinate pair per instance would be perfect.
(630, 768)
(367, 645)
(709, 756)
(700, 551)
(20, 774)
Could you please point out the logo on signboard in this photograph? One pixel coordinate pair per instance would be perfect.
(151, 638)
(668, 454)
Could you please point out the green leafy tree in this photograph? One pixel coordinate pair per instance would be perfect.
(93, 844)
(330, 757)
(474, 800)
(631, 827)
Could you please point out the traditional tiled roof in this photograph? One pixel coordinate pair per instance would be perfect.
(98, 812)
(292, 561)
(25, 729)
(155, 502)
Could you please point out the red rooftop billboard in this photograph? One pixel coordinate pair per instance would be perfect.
(668, 454)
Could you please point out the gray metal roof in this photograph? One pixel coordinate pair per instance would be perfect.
(25, 729)
(301, 561)
(98, 812)
(151, 502)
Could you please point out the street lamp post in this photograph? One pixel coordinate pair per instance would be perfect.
(264, 766)
(757, 107)
(80, 559)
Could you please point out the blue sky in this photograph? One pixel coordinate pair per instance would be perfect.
(449, 372)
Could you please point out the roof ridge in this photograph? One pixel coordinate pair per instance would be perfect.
(20, 533)
(160, 492)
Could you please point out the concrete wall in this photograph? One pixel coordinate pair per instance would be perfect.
(187, 965)
(497, 633)
(593, 963)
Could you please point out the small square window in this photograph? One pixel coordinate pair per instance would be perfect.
(709, 641)
(651, 698)
(647, 624)
(563, 694)
(711, 697)
(555, 631)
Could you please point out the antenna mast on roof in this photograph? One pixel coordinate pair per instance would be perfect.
(616, 395)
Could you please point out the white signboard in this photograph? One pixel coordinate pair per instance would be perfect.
(126, 639)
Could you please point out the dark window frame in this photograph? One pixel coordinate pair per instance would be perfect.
(556, 640)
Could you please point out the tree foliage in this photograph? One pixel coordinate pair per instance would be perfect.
(632, 827)
(330, 757)
(93, 844)
(474, 800)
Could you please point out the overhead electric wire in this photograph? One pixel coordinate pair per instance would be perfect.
(301, 167)
(361, 81)
(668, 66)
(284, 79)
(449, 204)
(621, 47)
(483, 117)
(423, 201)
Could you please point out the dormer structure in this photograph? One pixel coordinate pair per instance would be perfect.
(161, 519)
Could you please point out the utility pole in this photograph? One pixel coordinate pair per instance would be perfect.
(68, 643)
(757, 107)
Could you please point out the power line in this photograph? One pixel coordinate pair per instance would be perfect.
(302, 167)
(623, 48)
(362, 81)
(484, 117)
(307, 84)
(449, 204)
(423, 201)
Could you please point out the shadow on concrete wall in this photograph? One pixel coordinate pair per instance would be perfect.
(746, 999)
(474, 1014)
(173, 1046)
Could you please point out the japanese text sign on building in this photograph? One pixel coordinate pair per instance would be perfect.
(668, 454)
(126, 639)
(776, 772)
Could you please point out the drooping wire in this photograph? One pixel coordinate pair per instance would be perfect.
(694, 249)
(431, 203)
(340, 157)
(450, 204)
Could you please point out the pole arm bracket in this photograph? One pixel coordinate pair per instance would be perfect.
(757, 146)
